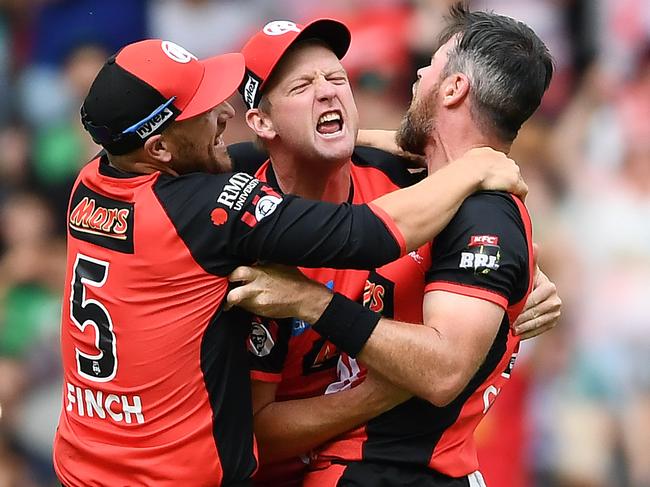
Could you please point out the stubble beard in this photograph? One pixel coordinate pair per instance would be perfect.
(415, 130)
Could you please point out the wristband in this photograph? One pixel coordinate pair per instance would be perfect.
(346, 324)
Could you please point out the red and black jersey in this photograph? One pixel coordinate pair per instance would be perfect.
(156, 380)
(484, 252)
(289, 352)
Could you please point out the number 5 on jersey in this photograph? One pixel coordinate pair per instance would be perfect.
(102, 366)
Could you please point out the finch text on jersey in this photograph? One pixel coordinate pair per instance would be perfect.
(95, 403)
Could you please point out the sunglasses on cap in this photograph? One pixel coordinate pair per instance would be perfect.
(102, 134)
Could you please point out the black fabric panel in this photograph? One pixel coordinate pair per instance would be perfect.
(229, 219)
(396, 168)
(317, 234)
(493, 214)
(189, 201)
(409, 433)
(246, 157)
(224, 363)
(273, 361)
(367, 474)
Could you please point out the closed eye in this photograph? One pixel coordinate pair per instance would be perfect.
(299, 88)
(338, 80)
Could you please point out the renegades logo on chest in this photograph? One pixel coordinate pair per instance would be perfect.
(101, 220)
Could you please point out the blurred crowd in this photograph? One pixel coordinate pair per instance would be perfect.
(577, 413)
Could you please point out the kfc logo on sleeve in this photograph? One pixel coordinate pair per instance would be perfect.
(482, 254)
(260, 341)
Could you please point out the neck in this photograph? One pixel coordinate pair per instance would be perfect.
(137, 163)
(313, 179)
(451, 140)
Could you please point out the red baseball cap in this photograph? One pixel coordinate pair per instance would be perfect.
(264, 50)
(147, 85)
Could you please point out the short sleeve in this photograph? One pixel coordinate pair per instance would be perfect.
(268, 345)
(483, 252)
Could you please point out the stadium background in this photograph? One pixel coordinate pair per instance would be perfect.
(578, 410)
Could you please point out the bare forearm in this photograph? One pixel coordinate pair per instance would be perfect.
(417, 359)
(290, 428)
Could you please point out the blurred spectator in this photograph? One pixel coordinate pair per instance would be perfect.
(62, 147)
(31, 270)
(581, 414)
(59, 27)
(206, 27)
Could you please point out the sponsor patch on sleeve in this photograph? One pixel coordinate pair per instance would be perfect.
(237, 190)
(482, 254)
(262, 337)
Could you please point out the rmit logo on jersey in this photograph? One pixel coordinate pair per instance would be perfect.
(323, 355)
(379, 294)
(154, 124)
(100, 220)
(482, 254)
(237, 190)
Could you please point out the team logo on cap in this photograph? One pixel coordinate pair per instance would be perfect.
(279, 27)
(177, 53)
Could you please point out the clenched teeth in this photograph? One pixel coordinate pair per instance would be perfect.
(330, 117)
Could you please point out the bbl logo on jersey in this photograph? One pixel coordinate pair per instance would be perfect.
(482, 254)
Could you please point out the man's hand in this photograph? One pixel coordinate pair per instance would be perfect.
(542, 311)
(278, 292)
(499, 173)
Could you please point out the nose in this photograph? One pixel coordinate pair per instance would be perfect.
(227, 111)
(324, 90)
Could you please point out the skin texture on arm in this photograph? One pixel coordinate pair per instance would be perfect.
(437, 360)
(280, 292)
(286, 429)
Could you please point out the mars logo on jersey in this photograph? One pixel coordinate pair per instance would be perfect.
(378, 294)
(482, 254)
(100, 220)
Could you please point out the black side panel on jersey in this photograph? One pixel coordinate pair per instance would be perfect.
(484, 246)
(190, 202)
(396, 168)
(225, 371)
(408, 433)
(246, 157)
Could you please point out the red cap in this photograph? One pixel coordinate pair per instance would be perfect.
(157, 80)
(264, 50)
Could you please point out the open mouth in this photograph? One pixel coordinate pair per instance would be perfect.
(330, 123)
